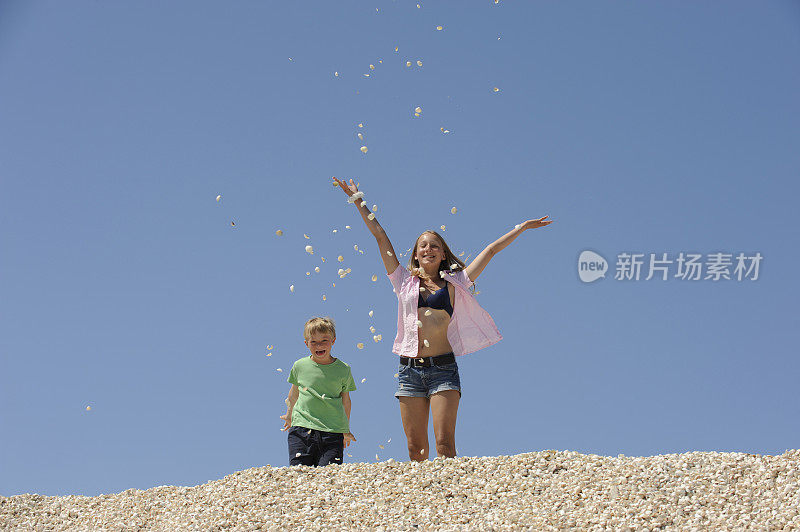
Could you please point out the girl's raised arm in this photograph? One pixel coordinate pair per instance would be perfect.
(475, 267)
(384, 245)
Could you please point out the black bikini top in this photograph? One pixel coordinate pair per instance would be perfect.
(438, 300)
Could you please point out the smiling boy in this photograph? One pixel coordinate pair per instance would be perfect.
(318, 407)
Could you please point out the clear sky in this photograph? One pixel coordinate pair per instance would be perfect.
(639, 127)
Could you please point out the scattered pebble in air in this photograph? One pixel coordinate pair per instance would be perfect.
(219, 198)
(340, 272)
(279, 370)
(372, 67)
(364, 149)
(396, 375)
(516, 226)
(374, 208)
(453, 266)
(88, 408)
(439, 28)
(269, 347)
(381, 446)
(418, 110)
(360, 136)
(370, 313)
(360, 345)
(350, 455)
(389, 253)
(408, 63)
(371, 216)
(335, 230)
(306, 236)
(316, 269)
(396, 48)
(366, 75)
(310, 249)
(372, 329)
(291, 288)
(233, 224)
(298, 455)
(445, 131)
(361, 124)
(355, 247)
(426, 342)
(453, 210)
(428, 312)
(376, 457)
(390, 441)
(422, 451)
(340, 258)
(419, 324)
(279, 233)
(421, 288)
(441, 227)
(374, 278)
(324, 297)
(363, 203)
(363, 381)
(419, 6)
(419, 63)
(290, 59)
(269, 354)
(461, 254)
(496, 89)
(336, 74)
(323, 259)
(377, 338)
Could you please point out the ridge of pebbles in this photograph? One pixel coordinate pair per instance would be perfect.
(546, 490)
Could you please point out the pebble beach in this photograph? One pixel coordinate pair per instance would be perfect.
(546, 490)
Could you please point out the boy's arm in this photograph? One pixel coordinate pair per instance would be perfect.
(291, 399)
(348, 437)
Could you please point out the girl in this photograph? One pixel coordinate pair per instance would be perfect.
(437, 320)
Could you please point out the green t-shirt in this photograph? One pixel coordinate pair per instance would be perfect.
(319, 405)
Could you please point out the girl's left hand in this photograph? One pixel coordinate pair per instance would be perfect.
(533, 224)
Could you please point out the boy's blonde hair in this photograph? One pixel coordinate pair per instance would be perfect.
(319, 325)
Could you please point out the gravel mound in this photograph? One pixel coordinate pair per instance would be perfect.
(544, 490)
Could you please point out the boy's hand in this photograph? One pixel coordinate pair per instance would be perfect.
(287, 421)
(348, 438)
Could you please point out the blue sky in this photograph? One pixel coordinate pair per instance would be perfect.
(638, 127)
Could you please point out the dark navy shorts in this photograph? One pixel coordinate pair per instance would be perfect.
(315, 447)
(424, 382)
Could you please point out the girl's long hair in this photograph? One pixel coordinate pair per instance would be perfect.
(450, 262)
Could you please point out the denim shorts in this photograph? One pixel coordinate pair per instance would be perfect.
(424, 382)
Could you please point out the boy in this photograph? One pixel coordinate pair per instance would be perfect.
(318, 407)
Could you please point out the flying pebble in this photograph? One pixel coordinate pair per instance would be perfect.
(389, 253)
(316, 269)
(355, 247)
(439, 28)
(279, 233)
(279, 370)
(363, 149)
(441, 227)
(372, 329)
(374, 208)
(361, 124)
(324, 297)
(323, 259)
(372, 67)
(306, 236)
(88, 408)
(421, 288)
(269, 354)
(419, 323)
(389, 440)
(453, 266)
(360, 345)
(219, 197)
(371, 216)
(418, 110)
(233, 224)
(308, 273)
(422, 451)
(395, 375)
(340, 258)
(516, 226)
(496, 89)
(453, 210)
(363, 380)
(374, 278)
(363, 203)
(360, 136)
(377, 338)
(269, 347)
(298, 455)
(396, 48)
(381, 446)
(408, 63)
(370, 313)
(291, 288)
(426, 342)
(336, 74)
(419, 62)
(310, 250)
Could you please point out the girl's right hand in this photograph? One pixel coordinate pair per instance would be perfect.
(350, 189)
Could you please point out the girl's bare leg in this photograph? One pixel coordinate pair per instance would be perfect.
(444, 408)
(414, 412)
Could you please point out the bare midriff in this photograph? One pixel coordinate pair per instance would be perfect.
(434, 329)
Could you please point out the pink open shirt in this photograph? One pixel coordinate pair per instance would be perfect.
(471, 328)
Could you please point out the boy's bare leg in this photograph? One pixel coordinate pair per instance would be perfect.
(414, 413)
(444, 408)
